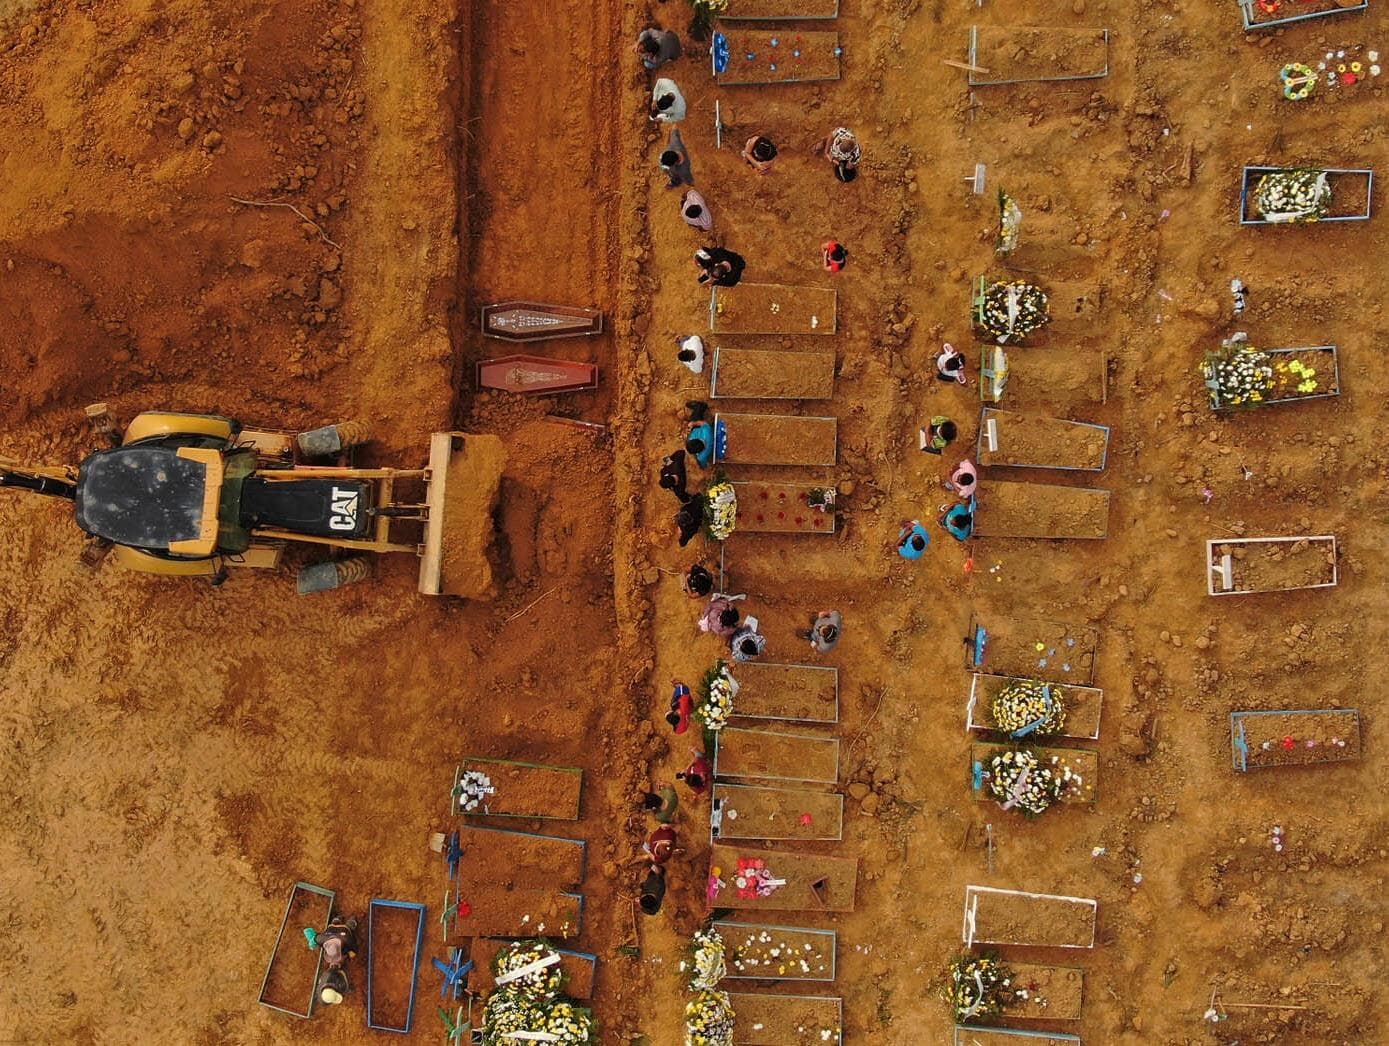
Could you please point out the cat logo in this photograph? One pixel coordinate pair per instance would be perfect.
(343, 511)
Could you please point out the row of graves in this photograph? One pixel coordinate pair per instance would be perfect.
(760, 970)
(1032, 713)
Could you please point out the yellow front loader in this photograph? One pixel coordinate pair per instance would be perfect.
(194, 495)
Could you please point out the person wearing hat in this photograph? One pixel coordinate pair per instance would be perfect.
(338, 943)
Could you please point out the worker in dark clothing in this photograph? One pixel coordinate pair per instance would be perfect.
(698, 582)
(653, 890)
(690, 519)
(673, 475)
(338, 942)
(719, 266)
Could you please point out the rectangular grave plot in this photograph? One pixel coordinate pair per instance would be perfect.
(519, 912)
(761, 951)
(771, 755)
(580, 968)
(971, 1035)
(1256, 18)
(782, 508)
(529, 790)
(1016, 54)
(395, 938)
(765, 374)
(1245, 566)
(787, 1020)
(1079, 761)
(805, 693)
(1058, 377)
(1082, 705)
(1055, 993)
(1039, 442)
(771, 308)
(775, 439)
(291, 975)
(1008, 509)
(748, 57)
(779, 10)
(813, 882)
(754, 812)
(488, 852)
(994, 916)
(1033, 648)
(1323, 359)
(1263, 739)
(1352, 195)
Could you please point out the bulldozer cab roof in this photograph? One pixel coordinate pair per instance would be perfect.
(155, 495)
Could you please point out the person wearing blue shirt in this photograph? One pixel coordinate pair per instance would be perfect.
(913, 540)
(959, 520)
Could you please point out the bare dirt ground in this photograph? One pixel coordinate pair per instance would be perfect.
(178, 755)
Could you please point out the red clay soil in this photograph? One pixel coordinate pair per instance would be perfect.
(294, 965)
(755, 951)
(752, 812)
(1054, 993)
(1017, 53)
(509, 857)
(779, 439)
(529, 791)
(1059, 378)
(391, 954)
(1277, 566)
(1040, 510)
(780, 9)
(779, 691)
(774, 308)
(496, 909)
(1319, 737)
(1019, 646)
(768, 56)
(775, 755)
(786, 1020)
(1042, 442)
(1036, 921)
(765, 374)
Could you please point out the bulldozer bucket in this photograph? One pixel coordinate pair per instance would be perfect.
(465, 477)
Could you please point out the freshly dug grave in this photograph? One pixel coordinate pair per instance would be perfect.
(391, 953)
(777, 439)
(1040, 510)
(800, 870)
(775, 691)
(773, 308)
(779, 9)
(1038, 921)
(1058, 377)
(782, 953)
(750, 812)
(1016, 53)
(786, 1020)
(495, 909)
(1035, 441)
(1330, 736)
(761, 56)
(1277, 566)
(527, 789)
(290, 984)
(1054, 993)
(491, 854)
(773, 755)
(1038, 649)
(780, 508)
(766, 374)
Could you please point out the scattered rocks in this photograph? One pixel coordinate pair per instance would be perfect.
(185, 128)
(212, 140)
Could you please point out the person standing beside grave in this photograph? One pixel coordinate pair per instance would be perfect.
(695, 211)
(760, 152)
(912, 540)
(653, 890)
(337, 942)
(699, 435)
(696, 775)
(673, 476)
(675, 161)
(681, 704)
(824, 631)
(962, 481)
(667, 103)
(950, 364)
(690, 353)
(657, 47)
(720, 617)
(719, 266)
(834, 255)
(661, 805)
(698, 582)
(747, 643)
(689, 520)
(958, 519)
(660, 845)
(840, 147)
(938, 435)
